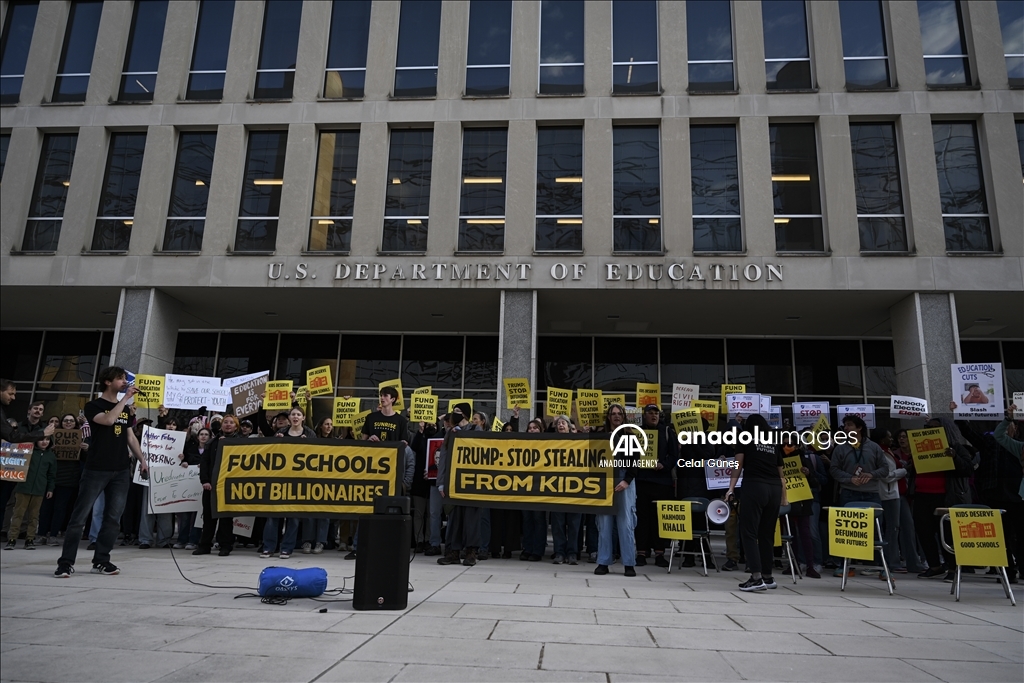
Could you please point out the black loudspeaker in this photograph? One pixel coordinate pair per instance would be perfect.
(382, 562)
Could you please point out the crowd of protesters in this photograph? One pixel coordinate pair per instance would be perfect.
(62, 501)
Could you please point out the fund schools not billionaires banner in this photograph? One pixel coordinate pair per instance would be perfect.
(561, 472)
(311, 477)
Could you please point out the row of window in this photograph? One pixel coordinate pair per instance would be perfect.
(635, 48)
(636, 189)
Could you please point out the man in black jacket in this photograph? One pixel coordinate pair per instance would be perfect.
(653, 484)
(13, 431)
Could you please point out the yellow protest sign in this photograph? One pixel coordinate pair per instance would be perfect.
(675, 520)
(687, 420)
(303, 399)
(424, 390)
(319, 381)
(497, 425)
(588, 407)
(423, 408)
(797, 486)
(708, 411)
(517, 393)
(151, 391)
(559, 402)
(278, 396)
(778, 533)
(730, 389)
(357, 422)
(650, 459)
(928, 446)
(647, 394)
(820, 432)
(608, 399)
(345, 410)
(399, 405)
(456, 401)
(978, 539)
(850, 531)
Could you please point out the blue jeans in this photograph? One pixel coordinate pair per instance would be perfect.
(625, 519)
(565, 531)
(291, 533)
(164, 523)
(97, 516)
(314, 530)
(587, 534)
(114, 487)
(485, 531)
(186, 532)
(535, 532)
(435, 517)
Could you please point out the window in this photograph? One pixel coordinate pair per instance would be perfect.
(787, 59)
(261, 191)
(334, 191)
(5, 143)
(368, 359)
(764, 365)
(559, 189)
(482, 213)
(76, 56)
(1018, 124)
(693, 361)
(434, 361)
(561, 47)
(419, 37)
(138, 80)
(407, 202)
(709, 46)
(565, 363)
(828, 369)
(1011, 22)
(715, 181)
(490, 48)
(621, 362)
(298, 353)
(14, 45)
(46, 213)
(637, 189)
(190, 190)
(120, 189)
(635, 47)
(879, 368)
(876, 179)
(242, 353)
(865, 57)
(210, 52)
(961, 188)
(195, 353)
(795, 187)
(942, 40)
(346, 51)
(275, 75)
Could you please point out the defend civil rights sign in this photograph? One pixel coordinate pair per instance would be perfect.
(314, 477)
(562, 472)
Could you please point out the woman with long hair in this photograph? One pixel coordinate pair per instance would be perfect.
(220, 528)
(295, 430)
(908, 535)
(53, 516)
(314, 529)
(623, 517)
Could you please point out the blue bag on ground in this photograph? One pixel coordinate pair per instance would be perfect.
(282, 582)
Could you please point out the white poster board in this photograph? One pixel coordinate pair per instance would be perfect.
(683, 395)
(174, 489)
(742, 404)
(1018, 400)
(160, 447)
(978, 391)
(904, 407)
(805, 415)
(865, 411)
(718, 476)
(243, 526)
(192, 392)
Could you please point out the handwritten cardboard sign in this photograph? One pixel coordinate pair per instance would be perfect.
(14, 461)
(66, 443)
(246, 392)
(191, 392)
(174, 489)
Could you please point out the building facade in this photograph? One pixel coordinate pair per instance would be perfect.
(820, 200)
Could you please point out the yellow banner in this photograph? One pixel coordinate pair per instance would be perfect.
(687, 420)
(423, 408)
(797, 486)
(399, 405)
(517, 393)
(928, 446)
(708, 411)
(851, 532)
(321, 477)
(588, 407)
(978, 539)
(647, 394)
(151, 391)
(497, 425)
(531, 471)
(345, 410)
(559, 402)
(730, 389)
(675, 520)
(424, 390)
(319, 381)
(357, 422)
(455, 401)
(278, 396)
(608, 399)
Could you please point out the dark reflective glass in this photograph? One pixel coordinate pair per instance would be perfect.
(491, 82)
(795, 187)
(350, 33)
(785, 45)
(634, 39)
(975, 351)
(261, 191)
(481, 363)
(14, 45)
(876, 177)
(368, 359)
(1019, 125)
(867, 74)
(120, 189)
(714, 173)
(1011, 24)
(863, 28)
(484, 159)
(280, 43)
(432, 361)
(408, 190)
(490, 44)
(693, 361)
(764, 365)
(564, 363)
(405, 234)
(961, 188)
(68, 358)
(210, 52)
(195, 353)
(709, 38)
(20, 356)
(638, 78)
(301, 352)
(243, 352)
(717, 234)
(5, 143)
(50, 193)
(621, 362)
(419, 36)
(190, 190)
(711, 77)
(828, 368)
(184, 234)
(559, 189)
(637, 188)
(334, 191)
(76, 55)
(1013, 367)
(561, 43)
(142, 57)
(559, 234)
(879, 368)
(943, 43)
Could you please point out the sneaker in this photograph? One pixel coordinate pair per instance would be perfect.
(285, 555)
(142, 546)
(899, 570)
(535, 558)
(190, 546)
(481, 556)
(64, 571)
(572, 560)
(206, 551)
(318, 548)
(524, 556)
(351, 555)
(839, 572)
(450, 557)
(601, 569)
(829, 564)
(105, 568)
(871, 571)
(630, 571)
(558, 560)
(53, 540)
(751, 585)
(641, 560)
(223, 552)
(592, 558)
(178, 546)
(812, 573)
(689, 561)
(769, 582)
(931, 573)
(432, 551)
(307, 548)
(11, 544)
(264, 554)
(29, 544)
(92, 546)
(950, 577)
(730, 566)
(470, 559)
(660, 561)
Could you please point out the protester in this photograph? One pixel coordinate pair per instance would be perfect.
(535, 524)
(800, 512)
(908, 534)
(565, 526)
(14, 432)
(54, 513)
(40, 480)
(295, 430)
(623, 520)
(220, 527)
(463, 521)
(654, 484)
(889, 492)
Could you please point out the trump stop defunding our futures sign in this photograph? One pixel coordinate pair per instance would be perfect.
(562, 472)
(311, 477)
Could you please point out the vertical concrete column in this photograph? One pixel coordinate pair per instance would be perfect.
(154, 190)
(310, 59)
(383, 49)
(371, 172)
(676, 195)
(297, 197)
(44, 52)
(1006, 201)
(826, 42)
(926, 341)
(225, 189)
(521, 188)
(748, 46)
(597, 48)
(176, 52)
(146, 332)
(672, 48)
(986, 38)
(907, 60)
(517, 347)
(16, 191)
(451, 55)
(244, 51)
(525, 49)
(84, 192)
(445, 189)
(839, 201)
(108, 59)
(597, 186)
(756, 184)
(921, 203)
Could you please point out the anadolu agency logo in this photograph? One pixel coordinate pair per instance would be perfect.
(629, 447)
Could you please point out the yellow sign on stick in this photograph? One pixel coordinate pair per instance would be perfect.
(559, 402)
(151, 391)
(424, 390)
(517, 393)
(850, 532)
(797, 486)
(608, 399)
(358, 420)
(647, 394)
(345, 410)
(928, 446)
(675, 519)
(497, 425)
(687, 420)
(278, 396)
(978, 539)
(730, 389)
(319, 381)
(423, 408)
(589, 408)
(708, 411)
(456, 401)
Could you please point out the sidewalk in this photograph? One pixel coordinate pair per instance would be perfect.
(503, 620)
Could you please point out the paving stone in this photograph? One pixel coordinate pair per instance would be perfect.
(428, 673)
(951, 631)
(793, 668)
(278, 643)
(538, 614)
(904, 648)
(434, 627)
(752, 641)
(248, 668)
(968, 672)
(584, 634)
(842, 627)
(684, 664)
(55, 664)
(418, 650)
